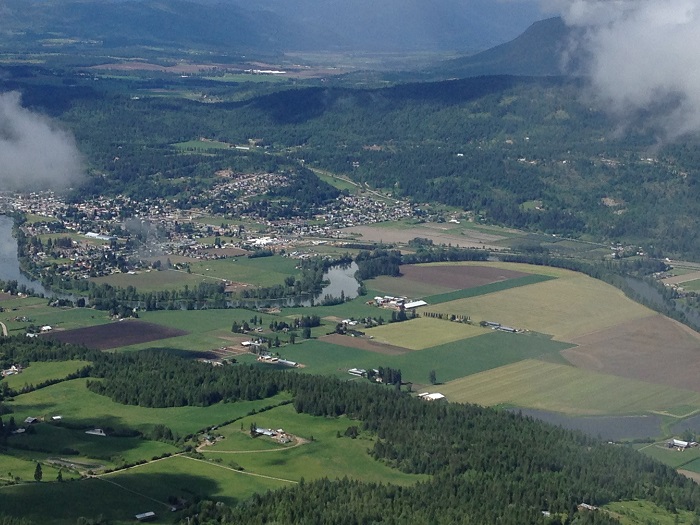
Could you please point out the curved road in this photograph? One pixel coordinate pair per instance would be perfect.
(4, 328)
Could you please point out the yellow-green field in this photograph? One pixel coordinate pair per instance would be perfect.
(424, 332)
(562, 388)
(569, 306)
(151, 281)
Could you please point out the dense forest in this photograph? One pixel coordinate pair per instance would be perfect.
(486, 466)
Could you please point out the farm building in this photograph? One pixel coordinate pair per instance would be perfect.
(414, 304)
(359, 372)
(286, 362)
(431, 397)
(679, 443)
(265, 432)
(31, 420)
(146, 516)
(96, 432)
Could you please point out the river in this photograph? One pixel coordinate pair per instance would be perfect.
(9, 261)
(341, 279)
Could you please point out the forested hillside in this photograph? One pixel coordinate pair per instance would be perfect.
(486, 466)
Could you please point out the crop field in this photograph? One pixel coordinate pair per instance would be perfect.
(423, 332)
(363, 343)
(476, 291)
(81, 407)
(654, 348)
(466, 238)
(324, 455)
(114, 335)
(563, 388)
(432, 279)
(463, 358)
(38, 372)
(566, 308)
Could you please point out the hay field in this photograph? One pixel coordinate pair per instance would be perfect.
(568, 307)
(423, 332)
(563, 388)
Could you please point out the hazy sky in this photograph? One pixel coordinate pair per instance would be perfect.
(643, 57)
(34, 152)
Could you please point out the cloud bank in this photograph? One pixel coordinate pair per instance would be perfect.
(35, 153)
(641, 57)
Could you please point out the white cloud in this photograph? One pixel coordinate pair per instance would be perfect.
(642, 57)
(35, 153)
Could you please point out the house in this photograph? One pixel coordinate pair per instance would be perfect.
(31, 420)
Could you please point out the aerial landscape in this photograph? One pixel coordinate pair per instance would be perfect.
(324, 262)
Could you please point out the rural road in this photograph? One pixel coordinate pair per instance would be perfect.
(4, 329)
(202, 448)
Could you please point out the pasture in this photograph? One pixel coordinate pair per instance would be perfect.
(423, 332)
(38, 372)
(324, 455)
(154, 281)
(82, 408)
(636, 512)
(563, 388)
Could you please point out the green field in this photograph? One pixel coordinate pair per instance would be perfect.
(562, 388)
(688, 459)
(423, 332)
(203, 145)
(39, 372)
(565, 308)
(643, 512)
(153, 281)
(325, 454)
(40, 314)
(80, 406)
(260, 271)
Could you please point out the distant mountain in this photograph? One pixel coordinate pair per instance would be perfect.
(539, 51)
(268, 25)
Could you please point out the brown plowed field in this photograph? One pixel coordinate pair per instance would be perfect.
(457, 277)
(113, 335)
(655, 349)
(364, 344)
